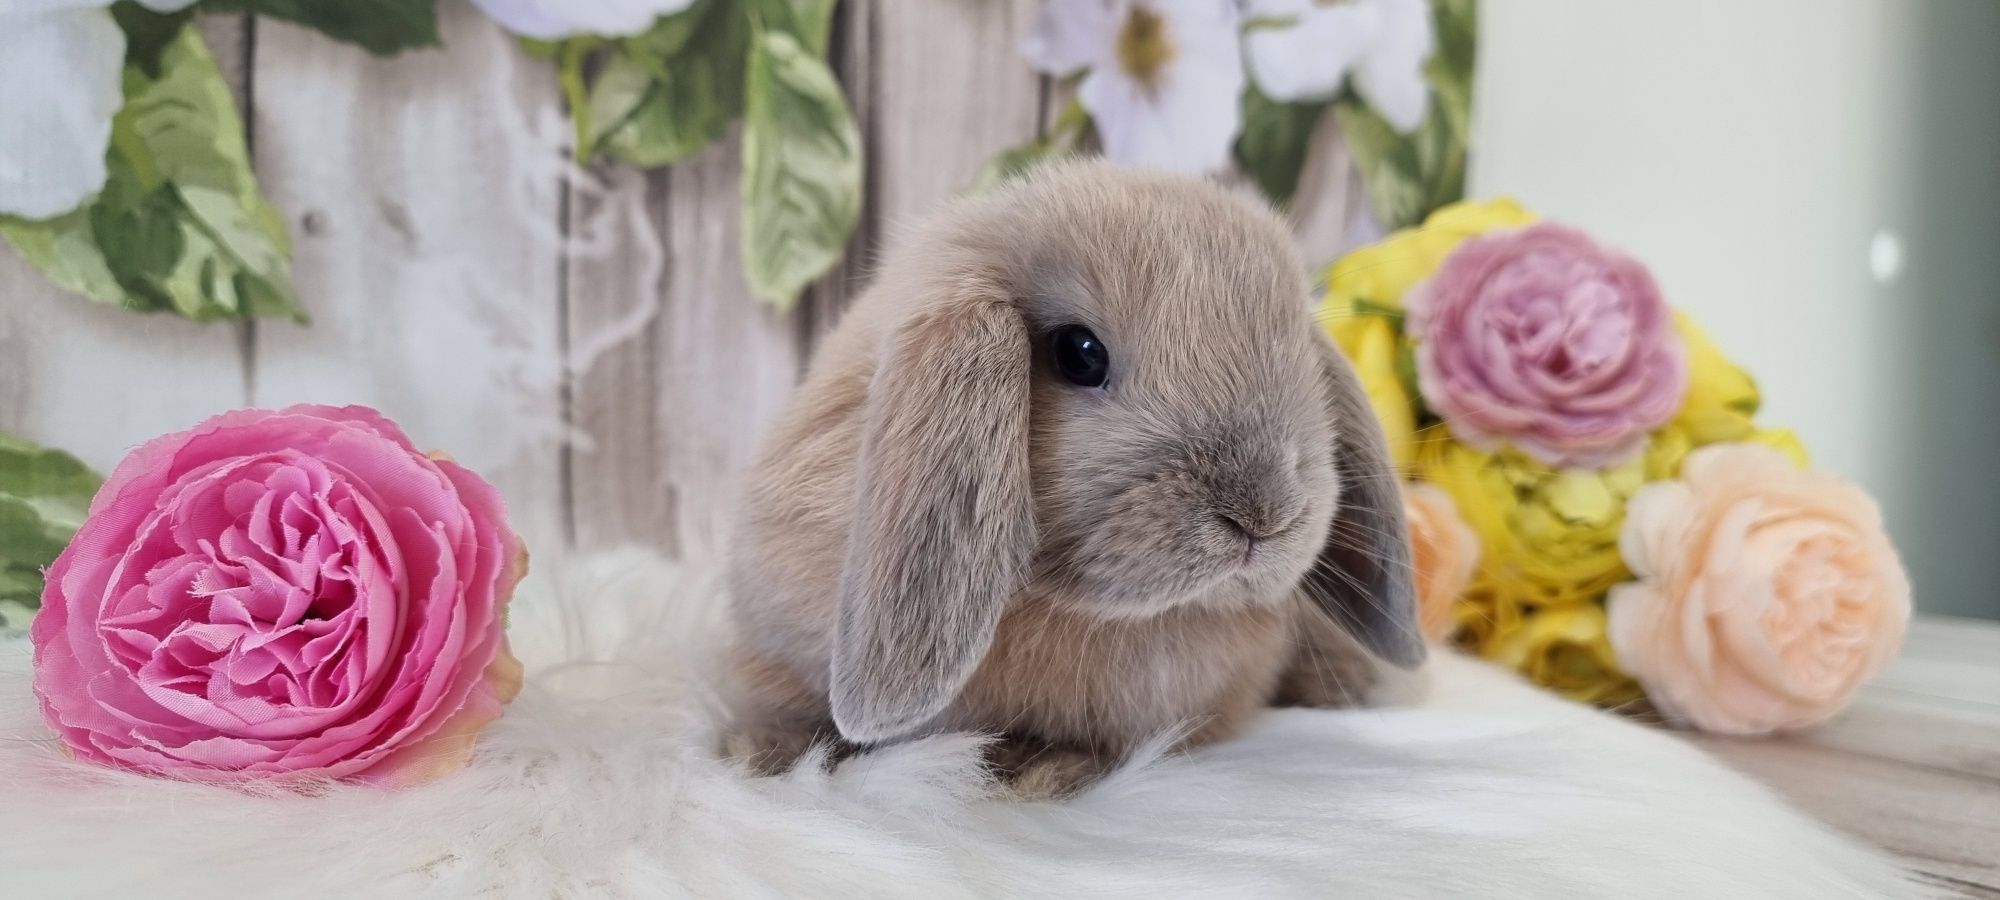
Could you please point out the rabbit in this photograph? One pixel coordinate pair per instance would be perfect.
(1079, 469)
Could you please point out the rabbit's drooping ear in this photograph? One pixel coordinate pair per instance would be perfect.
(944, 516)
(1363, 578)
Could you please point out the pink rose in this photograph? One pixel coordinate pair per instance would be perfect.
(292, 593)
(1766, 593)
(1546, 339)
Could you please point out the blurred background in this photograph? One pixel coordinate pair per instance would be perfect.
(1817, 181)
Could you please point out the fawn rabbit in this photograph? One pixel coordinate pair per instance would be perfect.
(1079, 468)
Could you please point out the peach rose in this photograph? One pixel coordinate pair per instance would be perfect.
(1444, 553)
(1766, 593)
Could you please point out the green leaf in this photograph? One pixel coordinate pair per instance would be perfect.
(1013, 163)
(179, 224)
(810, 22)
(382, 27)
(1406, 373)
(1387, 162)
(665, 94)
(571, 56)
(1064, 138)
(669, 35)
(15, 617)
(65, 249)
(801, 168)
(147, 33)
(1275, 139)
(1450, 69)
(659, 97)
(1410, 176)
(542, 49)
(44, 497)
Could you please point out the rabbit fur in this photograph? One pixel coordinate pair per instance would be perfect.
(944, 534)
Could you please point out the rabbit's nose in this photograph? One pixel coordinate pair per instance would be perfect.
(1257, 511)
(1255, 527)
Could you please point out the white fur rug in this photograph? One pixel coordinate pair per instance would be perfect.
(600, 782)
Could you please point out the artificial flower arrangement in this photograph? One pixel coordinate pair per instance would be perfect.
(291, 596)
(1591, 499)
(128, 179)
(301, 594)
(1201, 86)
(125, 176)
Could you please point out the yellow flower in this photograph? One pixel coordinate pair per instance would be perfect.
(1549, 536)
(1783, 439)
(1372, 344)
(1377, 275)
(1364, 296)
(1468, 218)
(1568, 651)
(1721, 398)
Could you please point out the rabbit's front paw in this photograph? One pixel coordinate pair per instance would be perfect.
(769, 750)
(1039, 770)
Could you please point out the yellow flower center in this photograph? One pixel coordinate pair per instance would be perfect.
(1144, 48)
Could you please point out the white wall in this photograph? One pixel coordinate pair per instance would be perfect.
(1752, 151)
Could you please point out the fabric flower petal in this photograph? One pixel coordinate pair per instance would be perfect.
(1390, 75)
(1544, 339)
(449, 748)
(554, 19)
(1380, 273)
(62, 69)
(1372, 345)
(30, 7)
(292, 593)
(1183, 110)
(1444, 552)
(1307, 59)
(1192, 133)
(1071, 35)
(1721, 398)
(1765, 594)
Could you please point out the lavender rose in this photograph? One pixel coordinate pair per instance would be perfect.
(1543, 338)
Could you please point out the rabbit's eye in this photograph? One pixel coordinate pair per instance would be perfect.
(1079, 356)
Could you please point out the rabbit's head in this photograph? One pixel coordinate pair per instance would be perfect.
(1108, 385)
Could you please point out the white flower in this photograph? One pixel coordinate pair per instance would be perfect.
(1165, 80)
(9, 8)
(1300, 50)
(552, 19)
(61, 67)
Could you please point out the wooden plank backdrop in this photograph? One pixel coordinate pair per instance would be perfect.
(1913, 766)
(585, 339)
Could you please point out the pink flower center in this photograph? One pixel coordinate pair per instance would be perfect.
(1582, 328)
(246, 594)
